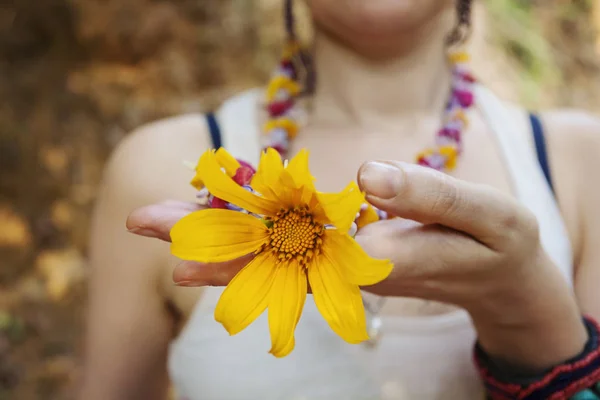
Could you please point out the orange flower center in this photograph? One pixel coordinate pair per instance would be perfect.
(295, 235)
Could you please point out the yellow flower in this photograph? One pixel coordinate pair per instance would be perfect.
(224, 160)
(301, 238)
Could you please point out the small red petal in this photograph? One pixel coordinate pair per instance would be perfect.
(280, 107)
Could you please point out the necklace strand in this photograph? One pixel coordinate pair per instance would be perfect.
(284, 120)
(284, 123)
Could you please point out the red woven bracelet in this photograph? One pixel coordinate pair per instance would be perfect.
(560, 382)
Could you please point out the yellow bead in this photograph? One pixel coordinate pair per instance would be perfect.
(451, 154)
(287, 124)
(459, 57)
(282, 82)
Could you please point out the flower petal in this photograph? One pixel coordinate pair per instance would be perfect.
(217, 235)
(339, 302)
(285, 307)
(266, 181)
(356, 266)
(222, 186)
(367, 216)
(340, 209)
(227, 161)
(247, 295)
(299, 171)
(197, 182)
(224, 159)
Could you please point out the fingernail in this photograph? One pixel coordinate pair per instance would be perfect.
(143, 232)
(381, 180)
(190, 283)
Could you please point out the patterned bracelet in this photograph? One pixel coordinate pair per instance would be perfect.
(576, 379)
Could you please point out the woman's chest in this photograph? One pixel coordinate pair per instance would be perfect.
(426, 359)
(336, 157)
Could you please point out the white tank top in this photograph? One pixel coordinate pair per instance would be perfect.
(422, 358)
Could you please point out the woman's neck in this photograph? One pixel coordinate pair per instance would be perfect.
(353, 91)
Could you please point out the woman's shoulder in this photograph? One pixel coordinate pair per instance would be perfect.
(149, 164)
(577, 129)
(573, 138)
(573, 143)
(189, 133)
(165, 137)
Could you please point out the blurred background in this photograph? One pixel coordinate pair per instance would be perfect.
(77, 75)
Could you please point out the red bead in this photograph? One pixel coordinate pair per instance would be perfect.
(280, 107)
(243, 175)
(423, 161)
(218, 203)
(247, 165)
(289, 67)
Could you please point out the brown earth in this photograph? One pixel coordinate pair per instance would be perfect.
(77, 75)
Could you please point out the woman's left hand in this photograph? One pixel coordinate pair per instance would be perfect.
(476, 247)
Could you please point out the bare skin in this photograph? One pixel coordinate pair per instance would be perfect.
(367, 110)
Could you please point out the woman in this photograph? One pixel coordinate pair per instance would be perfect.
(488, 238)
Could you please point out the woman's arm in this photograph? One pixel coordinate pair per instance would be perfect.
(129, 326)
(574, 144)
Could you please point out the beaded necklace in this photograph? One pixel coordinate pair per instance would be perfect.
(284, 122)
(285, 88)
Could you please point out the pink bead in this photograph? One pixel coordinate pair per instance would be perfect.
(467, 77)
(450, 133)
(464, 98)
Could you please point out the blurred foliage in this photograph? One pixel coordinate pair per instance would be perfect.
(522, 37)
(76, 75)
(554, 44)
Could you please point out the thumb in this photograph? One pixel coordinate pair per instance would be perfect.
(432, 197)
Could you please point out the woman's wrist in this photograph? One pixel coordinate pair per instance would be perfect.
(530, 322)
(577, 378)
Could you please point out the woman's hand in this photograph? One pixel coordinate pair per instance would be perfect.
(454, 242)
(475, 247)
(156, 221)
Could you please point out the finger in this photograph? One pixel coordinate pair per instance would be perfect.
(424, 257)
(157, 220)
(428, 196)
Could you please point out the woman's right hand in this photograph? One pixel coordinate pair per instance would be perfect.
(156, 221)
